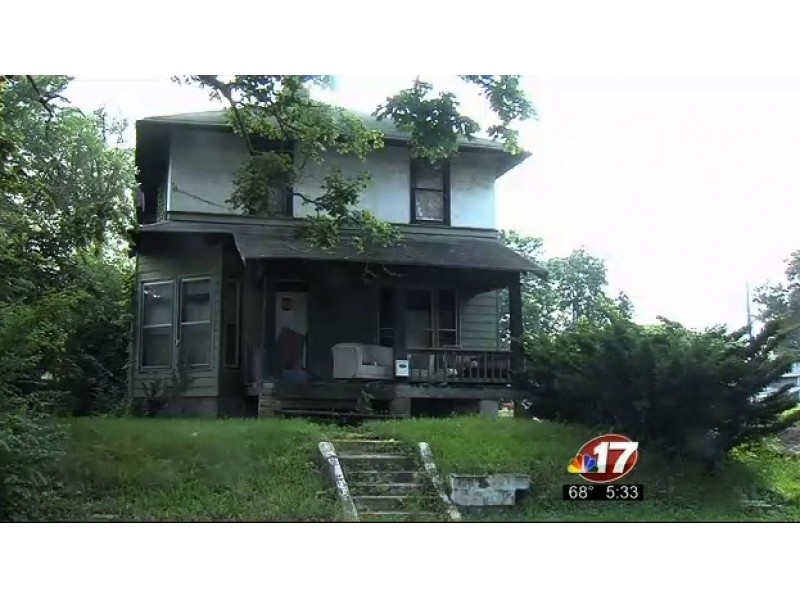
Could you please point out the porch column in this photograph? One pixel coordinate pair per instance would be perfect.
(269, 366)
(400, 303)
(515, 322)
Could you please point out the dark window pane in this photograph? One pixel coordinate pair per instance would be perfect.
(157, 304)
(157, 347)
(196, 344)
(447, 338)
(428, 177)
(429, 206)
(196, 301)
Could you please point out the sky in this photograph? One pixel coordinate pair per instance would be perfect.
(685, 186)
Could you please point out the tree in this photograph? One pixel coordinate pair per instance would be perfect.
(64, 206)
(782, 301)
(285, 129)
(573, 291)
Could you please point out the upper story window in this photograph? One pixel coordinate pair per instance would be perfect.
(430, 192)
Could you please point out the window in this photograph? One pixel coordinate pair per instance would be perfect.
(157, 315)
(431, 319)
(430, 193)
(231, 323)
(195, 322)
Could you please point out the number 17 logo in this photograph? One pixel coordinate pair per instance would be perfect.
(605, 458)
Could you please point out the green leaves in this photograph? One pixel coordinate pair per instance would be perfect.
(662, 384)
(434, 123)
(508, 101)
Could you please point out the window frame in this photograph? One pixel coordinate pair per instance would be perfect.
(142, 326)
(434, 329)
(237, 322)
(179, 323)
(413, 188)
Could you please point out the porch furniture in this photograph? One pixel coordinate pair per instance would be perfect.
(362, 361)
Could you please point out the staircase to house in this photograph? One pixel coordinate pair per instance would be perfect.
(387, 481)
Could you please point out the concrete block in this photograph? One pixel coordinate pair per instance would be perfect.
(488, 490)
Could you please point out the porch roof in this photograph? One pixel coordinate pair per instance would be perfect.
(255, 242)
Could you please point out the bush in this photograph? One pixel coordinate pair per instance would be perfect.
(29, 445)
(690, 392)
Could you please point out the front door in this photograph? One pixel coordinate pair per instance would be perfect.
(291, 311)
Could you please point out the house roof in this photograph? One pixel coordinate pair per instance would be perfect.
(218, 118)
(263, 242)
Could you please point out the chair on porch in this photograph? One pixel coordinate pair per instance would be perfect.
(362, 361)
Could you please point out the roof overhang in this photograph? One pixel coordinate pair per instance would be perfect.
(255, 242)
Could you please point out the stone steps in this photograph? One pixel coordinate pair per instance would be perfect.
(380, 503)
(380, 462)
(386, 489)
(356, 477)
(366, 446)
(393, 515)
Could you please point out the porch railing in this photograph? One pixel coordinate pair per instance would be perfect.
(436, 365)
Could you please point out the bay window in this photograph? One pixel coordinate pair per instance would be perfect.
(157, 324)
(194, 334)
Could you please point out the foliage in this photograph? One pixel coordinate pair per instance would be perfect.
(29, 447)
(783, 300)
(573, 291)
(285, 130)
(756, 484)
(64, 205)
(64, 210)
(690, 392)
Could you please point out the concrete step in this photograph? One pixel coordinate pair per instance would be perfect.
(357, 477)
(377, 462)
(380, 503)
(385, 489)
(399, 515)
(366, 446)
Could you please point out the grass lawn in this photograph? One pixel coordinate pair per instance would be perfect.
(153, 469)
(673, 491)
(197, 470)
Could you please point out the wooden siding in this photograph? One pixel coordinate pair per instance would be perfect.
(480, 321)
(171, 261)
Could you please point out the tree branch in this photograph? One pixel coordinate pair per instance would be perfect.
(225, 90)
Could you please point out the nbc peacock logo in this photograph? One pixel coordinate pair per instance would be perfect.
(583, 463)
(605, 458)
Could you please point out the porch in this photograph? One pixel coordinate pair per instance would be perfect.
(323, 336)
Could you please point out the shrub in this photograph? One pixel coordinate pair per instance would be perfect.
(690, 392)
(29, 446)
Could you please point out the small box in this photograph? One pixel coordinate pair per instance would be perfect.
(401, 368)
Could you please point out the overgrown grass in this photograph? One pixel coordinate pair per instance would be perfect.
(759, 483)
(176, 470)
(179, 470)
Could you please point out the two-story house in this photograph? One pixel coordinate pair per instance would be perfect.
(255, 317)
